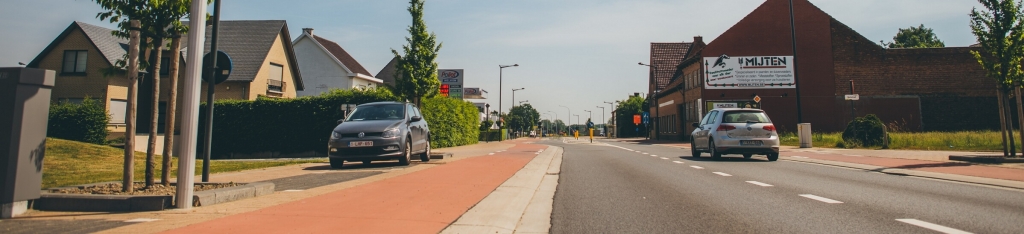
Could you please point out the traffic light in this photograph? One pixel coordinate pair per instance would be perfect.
(444, 90)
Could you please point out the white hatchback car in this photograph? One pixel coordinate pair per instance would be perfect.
(735, 131)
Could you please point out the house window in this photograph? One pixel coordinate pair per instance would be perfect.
(117, 111)
(165, 66)
(74, 61)
(275, 81)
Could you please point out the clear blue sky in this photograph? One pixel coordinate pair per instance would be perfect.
(571, 52)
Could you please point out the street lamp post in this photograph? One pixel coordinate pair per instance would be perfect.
(568, 113)
(514, 96)
(553, 122)
(602, 115)
(591, 118)
(657, 111)
(577, 121)
(501, 69)
(612, 106)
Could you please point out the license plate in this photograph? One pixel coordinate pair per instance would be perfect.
(360, 143)
(756, 143)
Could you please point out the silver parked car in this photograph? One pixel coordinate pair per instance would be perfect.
(735, 131)
(380, 131)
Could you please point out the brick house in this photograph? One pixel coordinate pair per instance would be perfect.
(931, 89)
(261, 51)
(665, 56)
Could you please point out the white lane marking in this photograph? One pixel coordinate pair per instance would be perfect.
(679, 162)
(140, 220)
(759, 183)
(721, 173)
(798, 156)
(697, 167)
(290, 190)
(661, 157)
(821, 199)
(932, 226)
(651, 155)
(642, 153)
(487, 154)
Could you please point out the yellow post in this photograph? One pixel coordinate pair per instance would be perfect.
(591, 135)
(576, 134)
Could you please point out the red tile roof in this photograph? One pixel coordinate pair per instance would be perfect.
(342, 56)
(666, 56)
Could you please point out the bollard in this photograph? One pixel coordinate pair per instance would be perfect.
(804, 132)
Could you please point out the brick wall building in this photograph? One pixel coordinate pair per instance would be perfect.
(934, 89)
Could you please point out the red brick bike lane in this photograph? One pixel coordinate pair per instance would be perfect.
(425, 201)
(959, 168)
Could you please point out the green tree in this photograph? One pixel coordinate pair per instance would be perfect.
(160, 19)
(522, 117)
(1000, 33)
(915, 37)
(416, 75)
(624, 112)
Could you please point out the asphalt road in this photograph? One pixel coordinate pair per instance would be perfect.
(616, 187)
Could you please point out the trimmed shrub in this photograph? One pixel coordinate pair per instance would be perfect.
(86, 122)
(865, 131)
(281, 125)
(452, 122)
(490, 135)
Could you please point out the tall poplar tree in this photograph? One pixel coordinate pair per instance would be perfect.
(416, 71)
(1000, 33)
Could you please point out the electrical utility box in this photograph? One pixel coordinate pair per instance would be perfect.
(24, 110)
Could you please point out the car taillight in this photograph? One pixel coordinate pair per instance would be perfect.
(769, 127)
(725, 128)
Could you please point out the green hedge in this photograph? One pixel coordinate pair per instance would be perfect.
(452, 122)
(281, 125)
(490, 135)
(86, 122)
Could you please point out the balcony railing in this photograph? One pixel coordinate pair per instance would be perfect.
(276, 86)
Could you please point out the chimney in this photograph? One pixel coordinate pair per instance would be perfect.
(308, 31)
(698, 39)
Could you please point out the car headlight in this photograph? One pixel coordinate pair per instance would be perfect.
(335, 135)
(390, 133)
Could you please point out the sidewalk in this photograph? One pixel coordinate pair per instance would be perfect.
(382, 197)
(879, 160)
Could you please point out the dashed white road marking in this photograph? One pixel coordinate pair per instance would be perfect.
(679, 162)
(932, 226)
(721, 173)
(490, 154)
(291, 190)
(697, 167)
(644, 153)
(140, 220)
(798, 156)
(759, 183)
(821, 199)
(664, 158)
(651, 155)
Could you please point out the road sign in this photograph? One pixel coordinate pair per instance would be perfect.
(224, 66)
(757, 99)
(636, 119)
(647, 117)
(853, 97)
(454, 78)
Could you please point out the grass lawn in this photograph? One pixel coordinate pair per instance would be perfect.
(951, 141)
(71, 163)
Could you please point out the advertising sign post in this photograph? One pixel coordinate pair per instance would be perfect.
(454, 78)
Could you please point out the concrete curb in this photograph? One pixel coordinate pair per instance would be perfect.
(990, 159)
(923, 174)
(522, 204)
(135, 203)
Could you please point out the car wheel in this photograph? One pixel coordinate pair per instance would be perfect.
(748, 156)
(712, 150)
(367, 162)
(425, 157)
(773, 157)
(337, 163)
(694, 151)
(408, 154)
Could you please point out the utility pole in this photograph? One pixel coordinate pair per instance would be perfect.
(190, 108)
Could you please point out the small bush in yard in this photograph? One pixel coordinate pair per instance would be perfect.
(452, 122)
(86, 122)
(865, 131)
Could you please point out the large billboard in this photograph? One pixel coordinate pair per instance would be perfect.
(473, 93)
(454, 78)
(756, 72)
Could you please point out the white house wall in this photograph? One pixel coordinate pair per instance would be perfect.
(320, 72)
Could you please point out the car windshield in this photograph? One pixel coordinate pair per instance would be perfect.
(745, 117)
(378, 112)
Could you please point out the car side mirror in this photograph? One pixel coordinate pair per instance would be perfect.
(696, 125)
(341, 120)
(416, 118)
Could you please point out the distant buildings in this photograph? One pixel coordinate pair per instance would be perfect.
(325, 66)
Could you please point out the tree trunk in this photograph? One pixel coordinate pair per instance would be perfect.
(129, 136)
(1020, 113)
(155, 116)
(1009, 124)
(172, 98)
(1002, 121)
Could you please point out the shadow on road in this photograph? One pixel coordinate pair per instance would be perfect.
(930, 165)
(360, 165)
(725, 158)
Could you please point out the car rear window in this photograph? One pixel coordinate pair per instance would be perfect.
(378, 112)
(745, 117)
